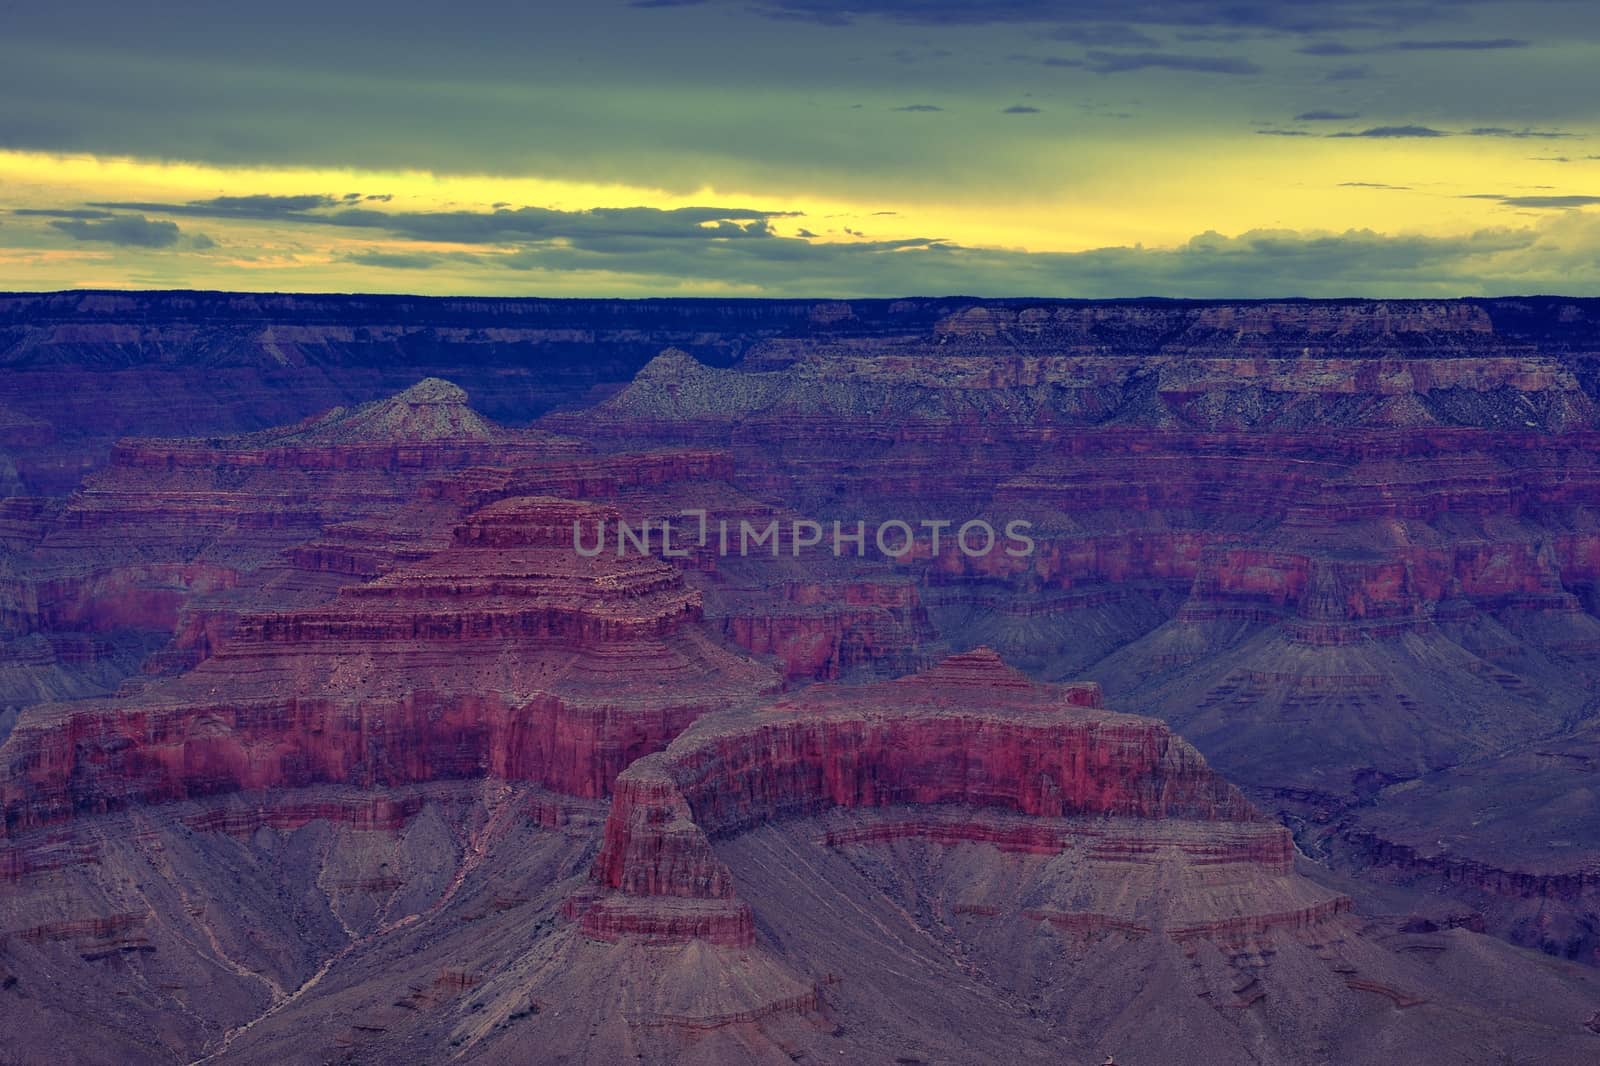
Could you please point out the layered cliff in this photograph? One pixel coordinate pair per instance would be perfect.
(969, 732)
(383, 766)
(506, 654)
(188, 363)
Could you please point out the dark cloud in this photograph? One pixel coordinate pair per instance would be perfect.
(1020, 109)
(1496, 44)
(127, 231)
(1372, 185)
(1122, 62)
(920, 107)
(739, 246)
(1258, 263)
(484, 227)
(1525, 134)
(1326, 116)
(1383, 132)
(683, 95)
(1285, 133)
(1098, 16)
(1429, 131)
(258, 207)
(637, 250)
(1340, 48)
(79, 213)
(1544, 203)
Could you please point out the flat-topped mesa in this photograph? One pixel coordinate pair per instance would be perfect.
(1376, 383)
(969, 732)
(507, 654)
(1425, 326)
(511, 572)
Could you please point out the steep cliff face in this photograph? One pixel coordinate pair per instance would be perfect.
(507, 654)
(382, 763)
(1339, 546)
(176, 539)
(969, 732)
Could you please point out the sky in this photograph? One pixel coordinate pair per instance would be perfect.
(803, 148)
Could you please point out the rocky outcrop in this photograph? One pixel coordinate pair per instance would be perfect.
(372, 730)
(507, 655)
(968, 732)
(165, 364)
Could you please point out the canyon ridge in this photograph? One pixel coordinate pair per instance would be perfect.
(324, 738)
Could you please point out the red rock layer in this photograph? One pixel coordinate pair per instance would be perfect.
(506, 655)
(968, 732)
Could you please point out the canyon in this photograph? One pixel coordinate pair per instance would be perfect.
(319, 741)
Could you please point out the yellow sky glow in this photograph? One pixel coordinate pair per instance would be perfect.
(1123, 197)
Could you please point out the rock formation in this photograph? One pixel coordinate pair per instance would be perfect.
(320, 741)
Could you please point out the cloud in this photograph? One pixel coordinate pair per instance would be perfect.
(1382, 132)
(257, 207)
(80, 213)
(373, 88)
(920, 107)
(1496, 44)
(127, 231)
(1545, 203)
(1372, 185)
(578, 253)
(1256, 263)
(1325, 116)
(1122, 62)
(1429, 131)
(1523, 134)
(1096, 16)
(1285, 133)
(1339, 48)
(1020, 109)
(485, 227)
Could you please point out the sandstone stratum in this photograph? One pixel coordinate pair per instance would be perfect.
(320, 742)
